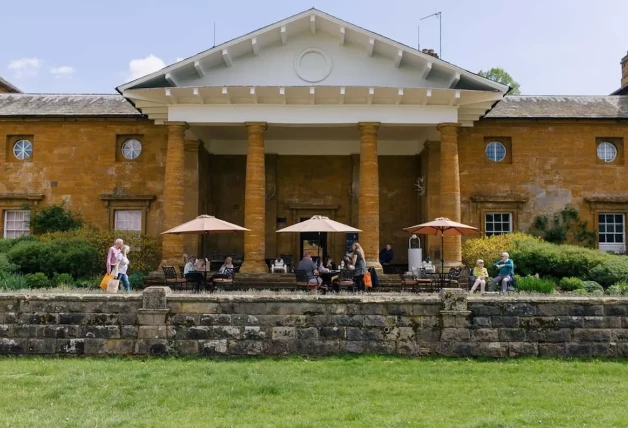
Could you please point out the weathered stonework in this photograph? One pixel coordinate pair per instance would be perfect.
(161, 323)
(368, 211)
(450, 188)
(174, 196)
(255, 201)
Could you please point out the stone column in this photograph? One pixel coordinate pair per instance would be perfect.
(368, 211)
(191, 193)
(174, 201)
(255, 201)
(450, 188)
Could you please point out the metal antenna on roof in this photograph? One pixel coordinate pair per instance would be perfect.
(440, 31)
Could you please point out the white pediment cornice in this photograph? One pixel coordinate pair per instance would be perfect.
(315, 23)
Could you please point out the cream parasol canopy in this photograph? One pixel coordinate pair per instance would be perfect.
(319, 223)
(205, 224)
(442, 227)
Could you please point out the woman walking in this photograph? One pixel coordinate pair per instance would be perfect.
(360, 265)
(123, 264)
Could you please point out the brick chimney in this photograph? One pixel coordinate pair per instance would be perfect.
(624, 71)
(434, 54)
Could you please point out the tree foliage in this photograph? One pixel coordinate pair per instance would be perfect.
(499, 75)
(56, 218)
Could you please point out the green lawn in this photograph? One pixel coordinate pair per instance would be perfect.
(296, 392)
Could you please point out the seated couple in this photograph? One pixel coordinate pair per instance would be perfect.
(506, 274)
(193, 266)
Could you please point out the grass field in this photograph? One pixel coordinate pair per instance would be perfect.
(297, 392)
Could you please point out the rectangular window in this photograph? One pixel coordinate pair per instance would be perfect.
(17, 223)
(128, 220)
(612, 232)
(497, 223)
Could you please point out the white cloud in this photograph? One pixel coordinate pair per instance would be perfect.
(63, 71)
(25, 67)
(143, 66)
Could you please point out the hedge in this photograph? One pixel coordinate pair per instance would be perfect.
(145, 254)
(533, 256)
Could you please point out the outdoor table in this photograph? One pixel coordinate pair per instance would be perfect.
(327, 276)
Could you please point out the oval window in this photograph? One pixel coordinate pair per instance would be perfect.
(131, 149)
(496, 151)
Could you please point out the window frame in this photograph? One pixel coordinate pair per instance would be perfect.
(140, 211)
(620, 246)
(128, 140)
(511, 221)
(605, 143)
(495, 143)
(26, 231)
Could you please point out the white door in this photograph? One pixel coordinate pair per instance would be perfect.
(612, 232)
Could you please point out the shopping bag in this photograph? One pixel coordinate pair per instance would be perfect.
(368, 283)
(105, 281)
(112, 286)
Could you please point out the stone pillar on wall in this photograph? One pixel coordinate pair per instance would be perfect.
(174, 202)
(368, 212)
(450, 189)
(191, 185)
(354, 191)
(255, 201)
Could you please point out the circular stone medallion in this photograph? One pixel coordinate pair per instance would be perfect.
(312, 64)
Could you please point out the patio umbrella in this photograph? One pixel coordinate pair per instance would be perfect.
(203, 225)
(319, 223)
(442, 227)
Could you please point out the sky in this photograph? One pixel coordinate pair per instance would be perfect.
(551, 47)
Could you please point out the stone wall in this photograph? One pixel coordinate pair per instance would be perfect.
(158, 322)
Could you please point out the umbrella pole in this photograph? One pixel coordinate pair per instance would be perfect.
(442, 260)
(318, 249)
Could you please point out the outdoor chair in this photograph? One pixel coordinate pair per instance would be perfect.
(172, 280)
(345, 280)
(217, 282)
(278, 266)
(187, 280)
(287, 259)
(303, 282)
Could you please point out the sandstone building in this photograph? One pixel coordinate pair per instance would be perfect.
(314, 115)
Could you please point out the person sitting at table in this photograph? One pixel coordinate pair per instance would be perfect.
(190, 271)
(308, 265)
(223, 272)
(329, 264)
(386, 255)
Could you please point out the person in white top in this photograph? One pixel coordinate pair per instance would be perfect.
(123, 265)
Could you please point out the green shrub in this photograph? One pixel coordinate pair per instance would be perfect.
(579, 292)
(55, 218)
(571, 284)
(592, 286)
(7, 244)
(37, 280)
(490, 248)
(136, 279)
(62, 279)
(13, 282)
(618, 289)
(145, 254)
(92, 282)
(535, 284)
(6, 267)
(77, 257)
(611, 270)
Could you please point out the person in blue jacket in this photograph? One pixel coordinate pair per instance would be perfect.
(506, 272)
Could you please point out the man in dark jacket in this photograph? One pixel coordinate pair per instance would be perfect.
(386, 255)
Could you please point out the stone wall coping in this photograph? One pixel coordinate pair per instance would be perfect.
(305, 299)
(71, 297)
(542, 299)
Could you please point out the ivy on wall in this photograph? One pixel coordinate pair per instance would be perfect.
(564, 227)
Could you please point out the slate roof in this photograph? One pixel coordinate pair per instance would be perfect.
(66, 105)
(8, 86)
(561, 107)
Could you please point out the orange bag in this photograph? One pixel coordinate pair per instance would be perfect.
(105, 281)
(368, 282)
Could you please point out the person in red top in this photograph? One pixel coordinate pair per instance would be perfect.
(112, 255)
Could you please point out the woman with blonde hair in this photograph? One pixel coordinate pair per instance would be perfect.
(481, 275)
(123, 264)
(360, 265)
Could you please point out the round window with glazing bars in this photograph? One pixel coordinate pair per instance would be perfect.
(606, 152)
(496, 151)
(23, 149)
(131, 149)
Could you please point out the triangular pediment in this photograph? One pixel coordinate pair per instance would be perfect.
(314, 49)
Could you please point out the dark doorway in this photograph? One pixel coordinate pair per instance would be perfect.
(315, 242)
